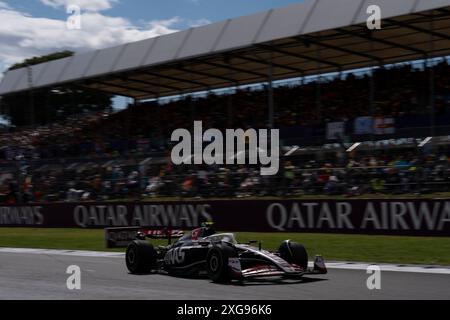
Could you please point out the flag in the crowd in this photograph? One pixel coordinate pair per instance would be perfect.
(335, 130)
(382, 125)
(363, 125)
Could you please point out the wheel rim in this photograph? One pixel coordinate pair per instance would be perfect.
(131, 256)
(214, 263)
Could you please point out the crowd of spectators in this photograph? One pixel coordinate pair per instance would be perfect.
(38, 164)
(44, 142)
(385, 173)
(401, 90)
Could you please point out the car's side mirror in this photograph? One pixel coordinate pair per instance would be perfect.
(254, 242)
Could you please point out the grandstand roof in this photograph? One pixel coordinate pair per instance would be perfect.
(313, 37)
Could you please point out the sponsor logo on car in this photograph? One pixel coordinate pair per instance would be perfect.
(174, 256)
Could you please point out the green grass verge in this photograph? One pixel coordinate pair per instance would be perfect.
(399, 249)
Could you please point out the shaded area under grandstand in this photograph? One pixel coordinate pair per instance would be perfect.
(308, 38)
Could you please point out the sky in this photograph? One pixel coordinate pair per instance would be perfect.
(35, 27)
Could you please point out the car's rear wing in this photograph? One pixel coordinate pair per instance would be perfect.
(165, 233)
(122, 236)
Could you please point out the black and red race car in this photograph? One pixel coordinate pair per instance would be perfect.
(219, 256)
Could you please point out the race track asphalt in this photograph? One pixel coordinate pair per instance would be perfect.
(43, 276)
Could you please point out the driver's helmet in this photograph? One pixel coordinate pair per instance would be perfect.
(206, 230)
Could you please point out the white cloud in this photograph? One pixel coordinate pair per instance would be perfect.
(24, 36)
(4, 5)
(198, 23)
(85, 5)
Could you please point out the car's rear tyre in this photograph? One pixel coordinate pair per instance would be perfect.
(217, 263)
(140, 256)
(294, 253)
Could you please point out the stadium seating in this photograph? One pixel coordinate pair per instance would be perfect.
(105, 156)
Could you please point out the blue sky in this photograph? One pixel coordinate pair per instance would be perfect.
(35, 27)
(143, 10)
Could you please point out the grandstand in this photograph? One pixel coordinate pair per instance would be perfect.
(364, 111)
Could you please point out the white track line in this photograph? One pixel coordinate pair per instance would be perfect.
(389, 267)
(330, 265)
(76, 253)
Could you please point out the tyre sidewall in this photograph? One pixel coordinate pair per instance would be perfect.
(143, 256)
(217, 263)
(294, 253)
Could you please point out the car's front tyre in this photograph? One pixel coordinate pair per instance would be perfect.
(294, 253)
(217, 263)
(140, 256)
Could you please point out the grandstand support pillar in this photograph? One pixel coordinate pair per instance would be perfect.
(372, 89)
(431, 82)
(191, 108)
(31, 97)
(158, 91)
(230, 115)
(300, 105)
(158, 108)
(189, 96)
(319, 86)
(128, 117)
(270, 94)
(230, 109)
(432, 100)
(46, 108)
(372, 97)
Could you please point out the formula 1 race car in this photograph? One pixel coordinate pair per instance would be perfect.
(220, 257)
